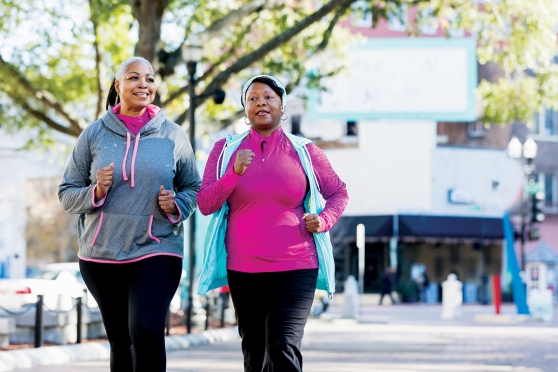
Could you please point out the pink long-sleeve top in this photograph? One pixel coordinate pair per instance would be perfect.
(266, 232)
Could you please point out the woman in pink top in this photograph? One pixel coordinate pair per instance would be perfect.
(272, 263)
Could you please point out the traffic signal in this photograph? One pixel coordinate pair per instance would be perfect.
(537, 205)
(533, 234)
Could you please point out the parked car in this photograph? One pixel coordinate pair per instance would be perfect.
(59, 283)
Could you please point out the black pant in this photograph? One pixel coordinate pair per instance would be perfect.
(134, 299)
(386, 293)
(271, 311)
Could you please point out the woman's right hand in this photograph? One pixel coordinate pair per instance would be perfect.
(242, 161)
(104, 180)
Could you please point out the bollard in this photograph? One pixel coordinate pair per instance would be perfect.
(39, 322)
(223, 308)
(79, 319)
(189, 317)
(497, 292)
(206, 308)
(452, 297)
(351, 300)
(168, 321)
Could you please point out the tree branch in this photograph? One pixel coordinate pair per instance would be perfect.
(327, 34)
(256, 55)
(169, 60)
(76, 123)
(48, 121)
(236, 16)
(209, 72)
(99, 64)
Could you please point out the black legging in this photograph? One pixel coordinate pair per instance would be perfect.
(134, 299)
(271, 310)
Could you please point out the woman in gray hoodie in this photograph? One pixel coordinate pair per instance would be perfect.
(132, 179)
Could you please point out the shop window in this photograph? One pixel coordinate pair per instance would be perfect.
(476, 129)
(454, 254)
(352, 128)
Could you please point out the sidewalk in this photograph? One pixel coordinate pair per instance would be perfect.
(388, 339)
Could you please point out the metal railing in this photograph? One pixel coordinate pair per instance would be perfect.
(39, 307)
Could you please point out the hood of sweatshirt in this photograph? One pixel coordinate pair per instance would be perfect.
(111, 121)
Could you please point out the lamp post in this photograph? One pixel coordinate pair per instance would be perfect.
(192, 53)
(528, 151)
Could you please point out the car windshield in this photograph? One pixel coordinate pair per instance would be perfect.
(46, 274)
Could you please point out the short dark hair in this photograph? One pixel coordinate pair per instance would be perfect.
(271, 83)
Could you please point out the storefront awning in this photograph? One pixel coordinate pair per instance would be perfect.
(419, 226)
(451, 227)
(375, 227)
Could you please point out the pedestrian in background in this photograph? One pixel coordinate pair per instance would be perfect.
(387, 285)
(132, 179)
(268, 236)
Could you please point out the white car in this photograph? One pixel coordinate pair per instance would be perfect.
(59, 284)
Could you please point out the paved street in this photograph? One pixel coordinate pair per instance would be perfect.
(390, 338)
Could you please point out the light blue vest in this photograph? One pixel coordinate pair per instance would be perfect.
(214, 271)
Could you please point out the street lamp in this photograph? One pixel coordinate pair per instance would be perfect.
(192, 54)
(529, 151)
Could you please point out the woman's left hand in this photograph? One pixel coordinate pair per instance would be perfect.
(313, 222)
(166, 200)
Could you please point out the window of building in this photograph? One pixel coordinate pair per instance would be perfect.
(545, 122)
(397, 18)
(352, 128)
(429, 24)
(476, 129)
(361, 16)
(550, 182)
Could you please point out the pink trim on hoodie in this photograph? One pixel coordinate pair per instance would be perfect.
(129, 261)
(124, 176)
(149, 230)
(98, 229)
(101, 202)
(135, 123)
(132, 184)
(169, 216)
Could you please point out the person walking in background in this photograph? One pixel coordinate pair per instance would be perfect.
(132, 179)
(268, 235)
(387, 285)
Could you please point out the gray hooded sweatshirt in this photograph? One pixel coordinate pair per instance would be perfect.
(129, 223)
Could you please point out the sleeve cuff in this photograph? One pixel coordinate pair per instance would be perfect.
(230, 179)
(325, 224)
(100, 202)
(175, 218)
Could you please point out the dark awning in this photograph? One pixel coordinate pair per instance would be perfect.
(375, 227)
(450, 227)
(419, 226)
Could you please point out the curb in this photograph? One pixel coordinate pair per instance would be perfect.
(49, 355)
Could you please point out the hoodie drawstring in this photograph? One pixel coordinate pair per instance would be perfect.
(126, 157)
(124, 176)
(134, 158)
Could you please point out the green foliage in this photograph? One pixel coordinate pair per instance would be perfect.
(509, 100)
(54, 44)
(517, 35)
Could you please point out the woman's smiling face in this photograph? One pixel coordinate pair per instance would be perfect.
(137, 87)
(263, 107)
